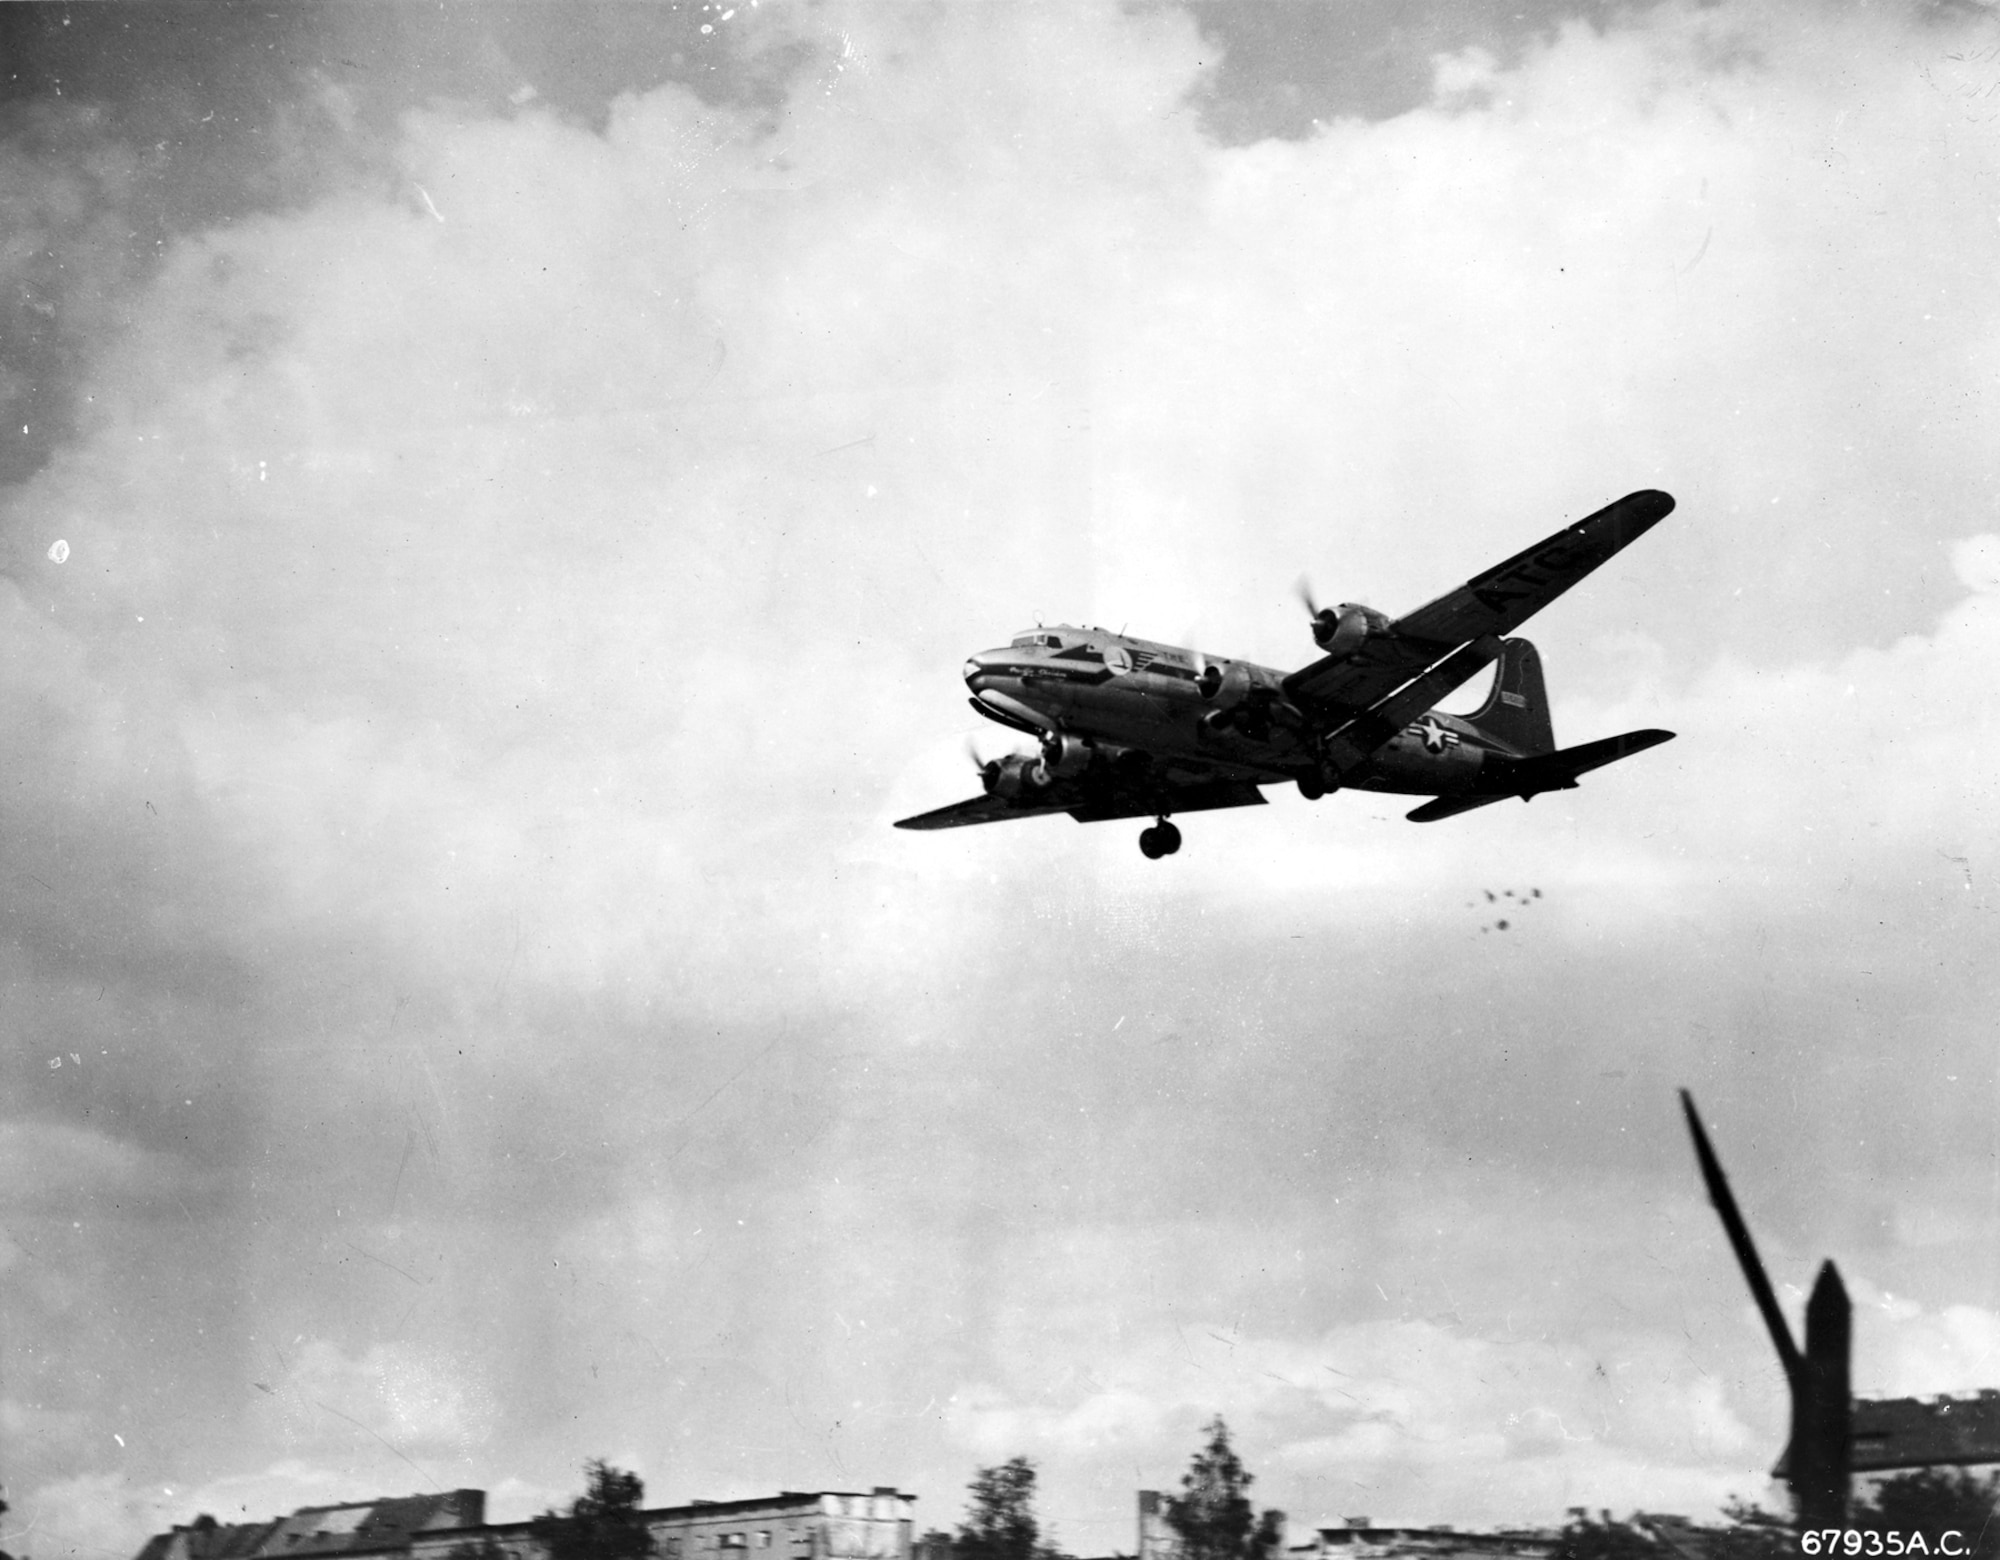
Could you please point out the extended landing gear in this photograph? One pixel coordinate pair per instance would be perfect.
(1162, 839)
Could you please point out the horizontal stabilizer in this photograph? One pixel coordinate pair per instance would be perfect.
(1526, 777)
(1558, 771)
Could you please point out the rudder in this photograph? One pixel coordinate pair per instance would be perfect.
(1516, 712)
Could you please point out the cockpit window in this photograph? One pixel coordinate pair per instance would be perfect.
(1024, 641)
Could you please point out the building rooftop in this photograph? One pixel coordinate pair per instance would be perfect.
(373, 1524)
(386, 1525)
(208, 1539)
(384, 1522)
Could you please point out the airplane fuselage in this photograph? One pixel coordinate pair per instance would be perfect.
(1117, 694)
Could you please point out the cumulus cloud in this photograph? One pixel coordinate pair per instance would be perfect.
(415, 1398)
(508, 599)
(1909, 1349)
(52, 1164)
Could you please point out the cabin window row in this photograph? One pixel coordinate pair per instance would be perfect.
(759, 1538)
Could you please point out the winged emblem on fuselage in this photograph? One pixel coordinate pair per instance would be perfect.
(1131, 728)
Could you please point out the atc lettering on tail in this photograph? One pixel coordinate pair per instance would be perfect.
(1129, 728)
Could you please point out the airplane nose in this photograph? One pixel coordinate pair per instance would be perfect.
(989, 669)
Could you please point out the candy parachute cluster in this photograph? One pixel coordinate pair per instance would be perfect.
(1508, 902)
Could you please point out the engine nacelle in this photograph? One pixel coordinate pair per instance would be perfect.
(1015, 775)
(1341, 630)
(1225, 688)
(1064, 756)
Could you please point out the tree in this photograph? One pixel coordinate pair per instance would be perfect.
(1753, 1534)
(1212, 1513)
(1749, 1534)
(1926, 1502)
(604, 1522)
(1933, 1501)
(1602, 1537)
(1000, 1520)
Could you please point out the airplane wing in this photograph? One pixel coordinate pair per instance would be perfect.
(1152, 801)
(1091, 799)
(1491, 604)
(1449, 807)
(979, 809)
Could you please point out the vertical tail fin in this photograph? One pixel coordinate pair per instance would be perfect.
(1516, 712)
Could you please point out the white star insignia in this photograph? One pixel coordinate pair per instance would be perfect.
(1436, 737)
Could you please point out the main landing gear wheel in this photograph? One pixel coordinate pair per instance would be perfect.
(1312, 787)
(1162, 839)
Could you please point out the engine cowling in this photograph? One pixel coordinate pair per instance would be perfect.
(1015, 775)
(1064, 755)
(1343, 629)
(1225, 688)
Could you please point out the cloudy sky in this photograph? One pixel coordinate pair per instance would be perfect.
(493, 502)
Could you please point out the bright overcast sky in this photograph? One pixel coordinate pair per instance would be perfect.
(496, 500)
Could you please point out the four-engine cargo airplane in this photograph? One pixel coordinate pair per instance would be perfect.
(1134, 729)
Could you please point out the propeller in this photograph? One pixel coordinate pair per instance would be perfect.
(1340, 630)
(987, 768)
(1325, 620)
(1206, 677)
